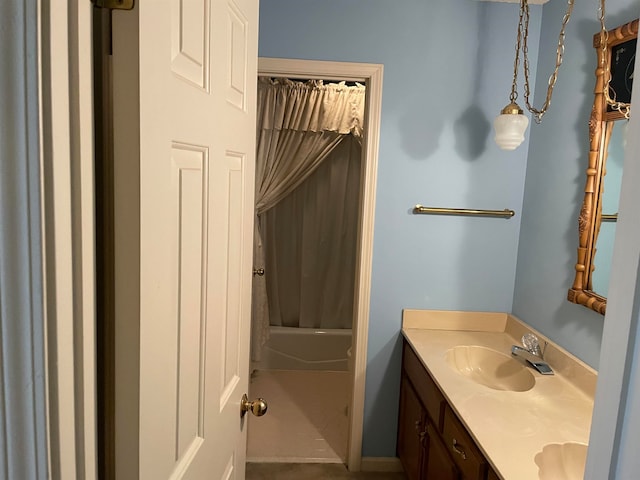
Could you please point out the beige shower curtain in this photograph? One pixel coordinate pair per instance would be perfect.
(298, 126)
(311, 243)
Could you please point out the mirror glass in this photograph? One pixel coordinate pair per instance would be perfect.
(607, 128)
(610, 196)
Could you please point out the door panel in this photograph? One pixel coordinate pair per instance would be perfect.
(226, 273)
(195, 154)
(237, 43)
(190, 33)
(190, 194)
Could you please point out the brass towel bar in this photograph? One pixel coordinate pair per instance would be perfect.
(612, 217)
(463, 211)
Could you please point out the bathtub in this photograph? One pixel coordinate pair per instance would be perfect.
(291, 348)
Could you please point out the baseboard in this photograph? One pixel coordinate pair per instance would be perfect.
(293, 460)
(381, 464)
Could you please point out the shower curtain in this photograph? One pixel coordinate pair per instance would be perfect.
(299, 126)
(311, 242)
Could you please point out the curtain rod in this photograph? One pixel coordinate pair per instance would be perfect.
(349, 83)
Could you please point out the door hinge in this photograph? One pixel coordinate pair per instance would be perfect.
(114, 4)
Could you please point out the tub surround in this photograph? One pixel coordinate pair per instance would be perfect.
(511, 428)
(298, 348)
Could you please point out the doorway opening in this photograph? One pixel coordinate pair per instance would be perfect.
(321, 382)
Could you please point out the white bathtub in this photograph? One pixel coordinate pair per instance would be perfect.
(291, 348)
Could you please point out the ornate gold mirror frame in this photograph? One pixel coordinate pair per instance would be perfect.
(600, 127)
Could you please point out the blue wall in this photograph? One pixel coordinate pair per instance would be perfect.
(447, 73)
(23, 375)
(554, 190)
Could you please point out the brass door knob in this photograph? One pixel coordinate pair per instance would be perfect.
(258, 271)
(257, 407)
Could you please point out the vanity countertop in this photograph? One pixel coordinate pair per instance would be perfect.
(511, 428)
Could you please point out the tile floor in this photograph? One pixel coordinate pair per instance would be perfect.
(306, 419)
(310, 471)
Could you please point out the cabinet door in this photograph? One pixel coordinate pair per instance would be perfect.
(411, 431)
(438, 465)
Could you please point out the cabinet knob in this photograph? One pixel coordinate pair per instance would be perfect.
(458, 449)
(422, 435)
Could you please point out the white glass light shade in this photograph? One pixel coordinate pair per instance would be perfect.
(510, 129)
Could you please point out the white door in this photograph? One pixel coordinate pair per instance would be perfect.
(197, 70)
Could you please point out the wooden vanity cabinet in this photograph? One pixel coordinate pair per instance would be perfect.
(432, 442)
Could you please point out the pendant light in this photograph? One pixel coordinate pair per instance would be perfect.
(511, 124)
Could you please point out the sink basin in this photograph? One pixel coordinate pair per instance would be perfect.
(490, 368)
(562, 460)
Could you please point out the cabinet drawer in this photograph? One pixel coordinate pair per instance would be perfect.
(427, 390)
(439, 465)
(462, 448)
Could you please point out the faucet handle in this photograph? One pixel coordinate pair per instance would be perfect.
(531, 343)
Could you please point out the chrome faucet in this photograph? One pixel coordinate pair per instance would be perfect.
(530, 351)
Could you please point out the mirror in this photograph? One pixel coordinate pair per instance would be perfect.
(598, 215)
(614, 144)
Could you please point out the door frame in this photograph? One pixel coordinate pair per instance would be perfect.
(370, 74)
(65, 142)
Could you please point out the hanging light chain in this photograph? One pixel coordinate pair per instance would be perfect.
(623, 108)
(524, 18)
(516, 63)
